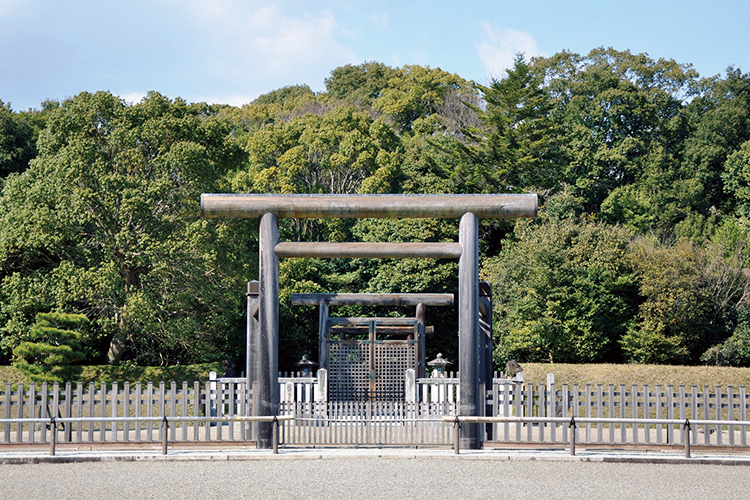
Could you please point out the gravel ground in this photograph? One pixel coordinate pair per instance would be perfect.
(372, 477)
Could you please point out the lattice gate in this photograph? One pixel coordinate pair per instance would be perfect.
(362, 370)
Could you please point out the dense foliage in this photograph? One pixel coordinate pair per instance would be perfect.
(639, 254)
(54, 348)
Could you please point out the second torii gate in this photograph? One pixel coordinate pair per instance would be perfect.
(467, 208)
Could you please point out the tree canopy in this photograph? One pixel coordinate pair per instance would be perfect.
(640, 253)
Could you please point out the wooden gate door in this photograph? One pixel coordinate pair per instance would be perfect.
(369, 370)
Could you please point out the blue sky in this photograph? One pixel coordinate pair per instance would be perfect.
(231, 51)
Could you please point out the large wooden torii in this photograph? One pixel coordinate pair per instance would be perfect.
(467, 208)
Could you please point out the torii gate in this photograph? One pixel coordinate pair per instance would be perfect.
(468, 208)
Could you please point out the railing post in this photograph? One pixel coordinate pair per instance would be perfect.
(572, 426)
(275, 436)
(687, 438)
(165, 429)
(53, 436)
(456, 436)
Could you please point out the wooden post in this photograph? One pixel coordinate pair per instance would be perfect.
(485, 333)
(421, 315)
(456, 436)
(275, 435)
(323, 336)
(371, 366)
(165, 429)
(572, 426)
(468, 326)
(53, 436)
(251, 348)
(485, 351)
(268, 338)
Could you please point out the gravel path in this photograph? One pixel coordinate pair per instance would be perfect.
(387, 477)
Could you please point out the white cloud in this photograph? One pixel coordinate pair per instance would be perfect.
(254, 41)
(237, 100)
(133, 97)
(500, 46)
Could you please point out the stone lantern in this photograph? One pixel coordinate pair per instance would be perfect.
(306, 365)
(439, 366)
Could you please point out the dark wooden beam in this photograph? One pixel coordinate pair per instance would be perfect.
(372, 299)
(388, 320)
(381, 330)
(290, 249)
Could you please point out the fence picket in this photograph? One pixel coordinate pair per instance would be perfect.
(7, 427)
(599, 412)
(658, 413)
(126, 411)
(138, 410)
(149, 411)
(32, 412)
(506, 411)
(518, 400)
(184, 412)
(743, 415)
(19, 414)
(718, 398)
(196, 409)
(646, 413)
(623, 414)
(588, 412)
(611, 410)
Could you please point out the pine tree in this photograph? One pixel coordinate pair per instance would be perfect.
(55, 347)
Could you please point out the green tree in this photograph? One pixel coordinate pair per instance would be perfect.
(719, 117)
(17, 141)
(417, 92)
(106, 222)
(516, 148)
(614, 109)
(675, 315)
(54, 347)
(736, 177)
(564, 292)
(343, 151)
(361, 84)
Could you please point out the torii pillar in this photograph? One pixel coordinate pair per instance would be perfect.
(467, 208)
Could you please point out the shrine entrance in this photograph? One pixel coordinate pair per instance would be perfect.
(367, 357)
(263, 314)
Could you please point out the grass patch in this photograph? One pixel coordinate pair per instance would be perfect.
(630, 374)
(535, 373)
(11, 374)
(180, 373)
(109, 374)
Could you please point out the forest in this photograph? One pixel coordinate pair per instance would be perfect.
(639, 255)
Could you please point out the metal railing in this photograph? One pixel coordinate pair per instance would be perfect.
(573, 424)
(163, 420)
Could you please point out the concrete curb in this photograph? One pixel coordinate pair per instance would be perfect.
(21, 458)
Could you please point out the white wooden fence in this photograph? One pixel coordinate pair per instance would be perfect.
(123, 400)
(599, 401)
(366, 423)
(414, 421)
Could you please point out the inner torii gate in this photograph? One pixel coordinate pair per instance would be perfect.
(467, 208)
